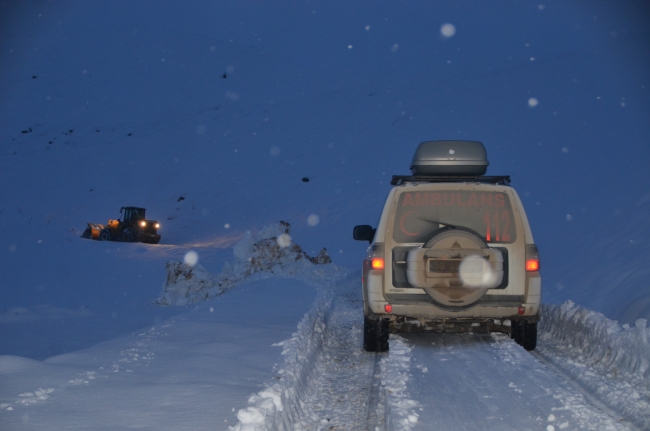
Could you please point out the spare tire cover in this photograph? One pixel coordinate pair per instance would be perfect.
(455, 267)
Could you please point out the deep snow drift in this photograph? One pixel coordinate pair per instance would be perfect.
(609, 360)
(271, 250)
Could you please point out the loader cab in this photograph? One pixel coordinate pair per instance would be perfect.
(132, 213)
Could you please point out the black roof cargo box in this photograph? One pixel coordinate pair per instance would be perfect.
(454, 158)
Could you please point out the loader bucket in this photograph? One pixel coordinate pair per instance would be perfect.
(92, 231)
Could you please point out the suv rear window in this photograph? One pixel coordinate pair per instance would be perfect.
(420, 214)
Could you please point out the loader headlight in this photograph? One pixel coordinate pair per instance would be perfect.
(157, 225)
(143, 223)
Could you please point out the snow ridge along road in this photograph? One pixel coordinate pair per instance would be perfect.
(327, 380)
(607, 361)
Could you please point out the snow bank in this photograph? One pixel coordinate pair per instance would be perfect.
(271, 251)
(279, 406)
(187, 284)
(285, 404)
(598, 339)
(610, 360)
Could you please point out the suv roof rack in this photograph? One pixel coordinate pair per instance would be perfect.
(499, 179)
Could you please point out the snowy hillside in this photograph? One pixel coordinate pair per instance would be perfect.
(223, 118)
(614, 278)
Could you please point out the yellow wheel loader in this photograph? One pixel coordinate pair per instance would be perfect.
(132, 228)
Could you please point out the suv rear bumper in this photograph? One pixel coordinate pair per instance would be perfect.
(431, 312)
(398, 324)
(422, 306)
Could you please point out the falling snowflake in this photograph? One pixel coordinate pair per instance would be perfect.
(448, 30)
(191, 258)
(313, 220)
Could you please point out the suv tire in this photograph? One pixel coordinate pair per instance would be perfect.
(524, 334)
(375, 334)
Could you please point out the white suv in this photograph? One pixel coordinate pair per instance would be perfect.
(453, 252)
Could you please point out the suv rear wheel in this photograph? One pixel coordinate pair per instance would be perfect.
(375, 334)
(524, 334)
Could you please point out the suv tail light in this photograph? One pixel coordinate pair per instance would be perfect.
(374, 262)
(532, 258)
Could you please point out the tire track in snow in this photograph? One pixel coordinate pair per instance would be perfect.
(486, 382)
(339, 393)
(376, 398)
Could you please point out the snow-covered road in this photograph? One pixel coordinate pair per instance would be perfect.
(426, 381)
(487, 382)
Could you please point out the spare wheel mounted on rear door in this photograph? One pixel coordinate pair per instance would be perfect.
(455, 267)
